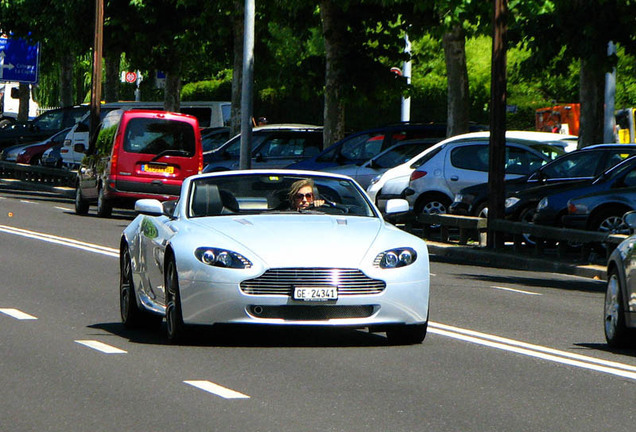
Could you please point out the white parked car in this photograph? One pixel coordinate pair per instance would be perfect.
(237, 248)
(393, 182)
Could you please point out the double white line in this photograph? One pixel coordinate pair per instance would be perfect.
(90, 247)
(537, 351)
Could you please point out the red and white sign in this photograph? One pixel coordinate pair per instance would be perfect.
(131, 77)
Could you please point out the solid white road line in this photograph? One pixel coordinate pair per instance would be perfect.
(91, 247)
(100, 346)
(17, 314)
(516, 290)
(537, 351)
(216, 389)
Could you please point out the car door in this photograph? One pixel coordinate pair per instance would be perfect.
(466, 164)
(155, 231)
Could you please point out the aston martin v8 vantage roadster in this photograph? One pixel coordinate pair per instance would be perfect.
(276, 247)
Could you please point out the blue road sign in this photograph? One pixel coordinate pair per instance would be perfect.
(19, 60)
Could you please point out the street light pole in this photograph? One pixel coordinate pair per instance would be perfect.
(245, 160)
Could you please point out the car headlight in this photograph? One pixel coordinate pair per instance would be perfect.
(222, 258)
(543, 203)
(399, 257)
(511, 201)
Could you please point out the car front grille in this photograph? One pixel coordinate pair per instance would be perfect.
(312, 313)
(282, 281)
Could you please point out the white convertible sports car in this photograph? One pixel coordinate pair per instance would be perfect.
(237, 248)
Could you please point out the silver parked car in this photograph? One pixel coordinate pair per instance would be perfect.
(462, 163)
(235, 249)
(619, 317)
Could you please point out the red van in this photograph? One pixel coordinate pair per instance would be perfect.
(138, 154)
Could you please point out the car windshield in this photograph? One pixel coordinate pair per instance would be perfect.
(231, 194)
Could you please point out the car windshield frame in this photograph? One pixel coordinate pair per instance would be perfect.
(268, 193)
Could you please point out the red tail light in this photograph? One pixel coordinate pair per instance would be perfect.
(417, 174)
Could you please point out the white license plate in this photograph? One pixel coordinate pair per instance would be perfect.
(315, 293)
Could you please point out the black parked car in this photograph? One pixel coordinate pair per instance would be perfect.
(585, 163)
(553, 206)
(41, 127)
(601, 211)
(359, 147)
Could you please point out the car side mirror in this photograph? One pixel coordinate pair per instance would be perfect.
(396, 205)
(259, 157)
(79, 148)
(150, 207)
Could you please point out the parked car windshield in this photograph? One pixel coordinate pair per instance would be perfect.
(267, 193)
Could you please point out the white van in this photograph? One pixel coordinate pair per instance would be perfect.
(208, 113)
(10, 103)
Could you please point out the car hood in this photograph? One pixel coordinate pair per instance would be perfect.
(289, 240)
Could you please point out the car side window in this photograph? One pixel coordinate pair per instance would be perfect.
(615, 158)
(357, 147)
(521, 161)
(470, 157)
(50, 121)
(630, 178)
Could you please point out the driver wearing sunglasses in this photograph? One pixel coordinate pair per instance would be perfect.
(301, 195)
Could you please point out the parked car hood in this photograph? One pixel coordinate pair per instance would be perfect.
(289, 240)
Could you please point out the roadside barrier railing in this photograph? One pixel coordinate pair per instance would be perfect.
(523, 235)
(37, 175)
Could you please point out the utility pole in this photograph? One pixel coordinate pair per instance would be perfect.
(96, 82)
(245, 160)
(497, 146)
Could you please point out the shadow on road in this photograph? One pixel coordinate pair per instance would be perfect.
(253, 336)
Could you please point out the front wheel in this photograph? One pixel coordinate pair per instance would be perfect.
(407, 334)
(131, 315)
(176, 329)
(81, 204)
(616, 332)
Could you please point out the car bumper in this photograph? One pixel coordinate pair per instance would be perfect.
(205, 303)
(575, 221)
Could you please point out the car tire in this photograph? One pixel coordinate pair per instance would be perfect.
(610, 221)
(81, 204)
(104, 206)
(435, 205)
(131, 315)
(617, 334)
(482, 210)
(175, 328)
(407, 334)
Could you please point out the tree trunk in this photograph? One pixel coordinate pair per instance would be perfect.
(111, 77)
(23, 108)
(592, 88)
(334, 33)
(66, 80)
(454, 43)
(172, 92)
(237, 74)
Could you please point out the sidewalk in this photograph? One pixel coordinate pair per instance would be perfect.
(475, 255)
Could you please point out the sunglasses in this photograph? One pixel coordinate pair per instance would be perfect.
(308, 196)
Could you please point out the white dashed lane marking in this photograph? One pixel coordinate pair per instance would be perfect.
(17, 314)
(101, 347)
(216, 389)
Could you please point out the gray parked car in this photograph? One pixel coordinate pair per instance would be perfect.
(273, 146)
(399, 153)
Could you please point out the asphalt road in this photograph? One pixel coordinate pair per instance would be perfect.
(506, 351)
